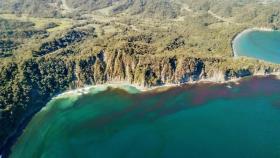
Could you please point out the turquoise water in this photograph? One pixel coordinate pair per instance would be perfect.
(264, 45)
(195, 121)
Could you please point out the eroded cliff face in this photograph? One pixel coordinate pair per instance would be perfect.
(155, 70)
(141, 70)
(26, 87)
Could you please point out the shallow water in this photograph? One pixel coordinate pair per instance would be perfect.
(264, 45)
(203, 120)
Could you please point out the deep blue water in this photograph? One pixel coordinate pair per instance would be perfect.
(264, 45)
(192, 121)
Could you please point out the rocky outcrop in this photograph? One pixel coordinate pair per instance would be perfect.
(176, 43)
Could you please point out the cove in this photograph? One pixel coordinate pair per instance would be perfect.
(258, 43)
(201, 120)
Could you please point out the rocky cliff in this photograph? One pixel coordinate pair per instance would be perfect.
(26, 87)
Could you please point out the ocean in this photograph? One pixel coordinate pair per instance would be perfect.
(238, 119)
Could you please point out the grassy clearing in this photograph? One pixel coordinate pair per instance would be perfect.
(40, 23)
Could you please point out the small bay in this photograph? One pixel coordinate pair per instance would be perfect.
(200, 120)
(259, 44)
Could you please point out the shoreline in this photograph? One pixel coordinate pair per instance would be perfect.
(5, 150)
(125, 84)
(248, 30)
(218, 78)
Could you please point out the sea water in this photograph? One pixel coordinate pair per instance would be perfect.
(192, 121)
(259, 44)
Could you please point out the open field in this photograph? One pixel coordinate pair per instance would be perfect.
(63, 24)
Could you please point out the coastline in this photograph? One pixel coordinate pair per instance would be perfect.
(121, 84)
(125, 84)
(217, 78)
(188, 97)
(248, 30)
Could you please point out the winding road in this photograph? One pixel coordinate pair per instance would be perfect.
(222, 18)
